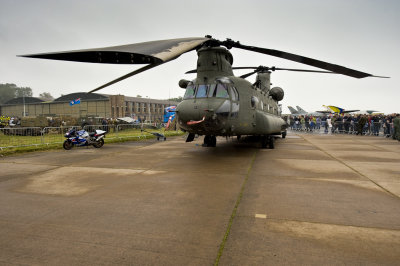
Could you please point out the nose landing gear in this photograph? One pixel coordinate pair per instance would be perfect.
(210, 141)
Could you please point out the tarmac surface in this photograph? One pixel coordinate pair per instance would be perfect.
(313, 200)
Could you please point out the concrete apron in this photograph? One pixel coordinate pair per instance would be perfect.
(311, 200)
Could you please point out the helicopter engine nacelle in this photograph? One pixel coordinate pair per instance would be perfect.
(183, 83)
(276, 93)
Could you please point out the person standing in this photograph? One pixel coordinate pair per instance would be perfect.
(396, 125)
(361, 124)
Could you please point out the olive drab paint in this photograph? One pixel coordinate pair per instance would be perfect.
(216, 103)
(247, 109)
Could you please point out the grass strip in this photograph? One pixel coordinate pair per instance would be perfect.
(6, 151)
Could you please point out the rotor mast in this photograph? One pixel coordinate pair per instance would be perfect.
(212, 63)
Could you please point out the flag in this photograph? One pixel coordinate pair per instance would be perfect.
(76, 101)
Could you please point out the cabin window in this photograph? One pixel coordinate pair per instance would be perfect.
(201, 91)
(189, 94)
(254, 101)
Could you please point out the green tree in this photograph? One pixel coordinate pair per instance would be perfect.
(23, 92)
(7, 92)
(46, 96)
(177, 99)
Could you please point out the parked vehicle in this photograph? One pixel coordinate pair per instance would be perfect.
(84, 138)
(25, 126)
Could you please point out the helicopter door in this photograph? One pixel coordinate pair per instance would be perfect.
(234, 103)
(254, 104)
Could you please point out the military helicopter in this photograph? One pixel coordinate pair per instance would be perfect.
(216, 103)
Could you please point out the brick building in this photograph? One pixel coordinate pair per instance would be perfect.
(91, 104)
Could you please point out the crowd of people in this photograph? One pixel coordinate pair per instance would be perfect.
(384, 125)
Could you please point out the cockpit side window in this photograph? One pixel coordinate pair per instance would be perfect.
(202, 91)
(189, 94)
(234, 94)
(222, 91)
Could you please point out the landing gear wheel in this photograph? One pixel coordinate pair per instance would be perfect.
(284, 134)
(98, 144)
(67, 145)
(264, 142)
(271, 143)
(190, 137)
(210, 141)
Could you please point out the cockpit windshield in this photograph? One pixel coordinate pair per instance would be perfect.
(201, 91)
(219, 90)
(189, 94)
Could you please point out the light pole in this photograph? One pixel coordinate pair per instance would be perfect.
(148, 99)
(23, 101)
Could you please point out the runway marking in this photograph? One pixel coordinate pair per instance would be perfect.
(261, 216)
(355, 170)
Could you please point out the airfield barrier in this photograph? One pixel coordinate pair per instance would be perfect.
(34, 136)
(340, 127)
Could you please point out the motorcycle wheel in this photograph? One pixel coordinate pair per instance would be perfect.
(67, 145)
(98, 144)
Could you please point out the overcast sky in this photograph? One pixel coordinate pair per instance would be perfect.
(362, 34)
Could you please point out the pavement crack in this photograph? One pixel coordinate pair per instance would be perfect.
(234, 211)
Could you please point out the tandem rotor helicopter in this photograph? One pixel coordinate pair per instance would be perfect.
(216, 103)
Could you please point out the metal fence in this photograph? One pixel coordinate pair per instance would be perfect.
(373, 129)
(33, 136)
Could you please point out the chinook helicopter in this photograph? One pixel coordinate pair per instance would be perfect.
(215, 103)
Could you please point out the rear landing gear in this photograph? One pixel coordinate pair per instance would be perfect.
(267, 141)
(271, 142)
(210, 141)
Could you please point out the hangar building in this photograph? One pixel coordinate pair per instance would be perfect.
(91, 104)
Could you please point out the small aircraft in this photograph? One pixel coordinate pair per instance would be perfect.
(338, 110)
(301, 111)
(367, 112)
(293, 111)
(216, 102)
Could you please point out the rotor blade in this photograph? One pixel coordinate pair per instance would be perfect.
(248, 74)
(306, 70)
(287, 69)
(137, 71)
(304, 60)
(191, 71)
(244, 68)
(139, 53)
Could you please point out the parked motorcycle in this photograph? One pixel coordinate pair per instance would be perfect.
(83, 138)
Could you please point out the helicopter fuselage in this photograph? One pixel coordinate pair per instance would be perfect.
(217, 103)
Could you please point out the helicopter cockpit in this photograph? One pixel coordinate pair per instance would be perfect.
(218, 90)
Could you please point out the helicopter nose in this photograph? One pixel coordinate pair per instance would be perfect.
(203, 113)
(188, 111)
